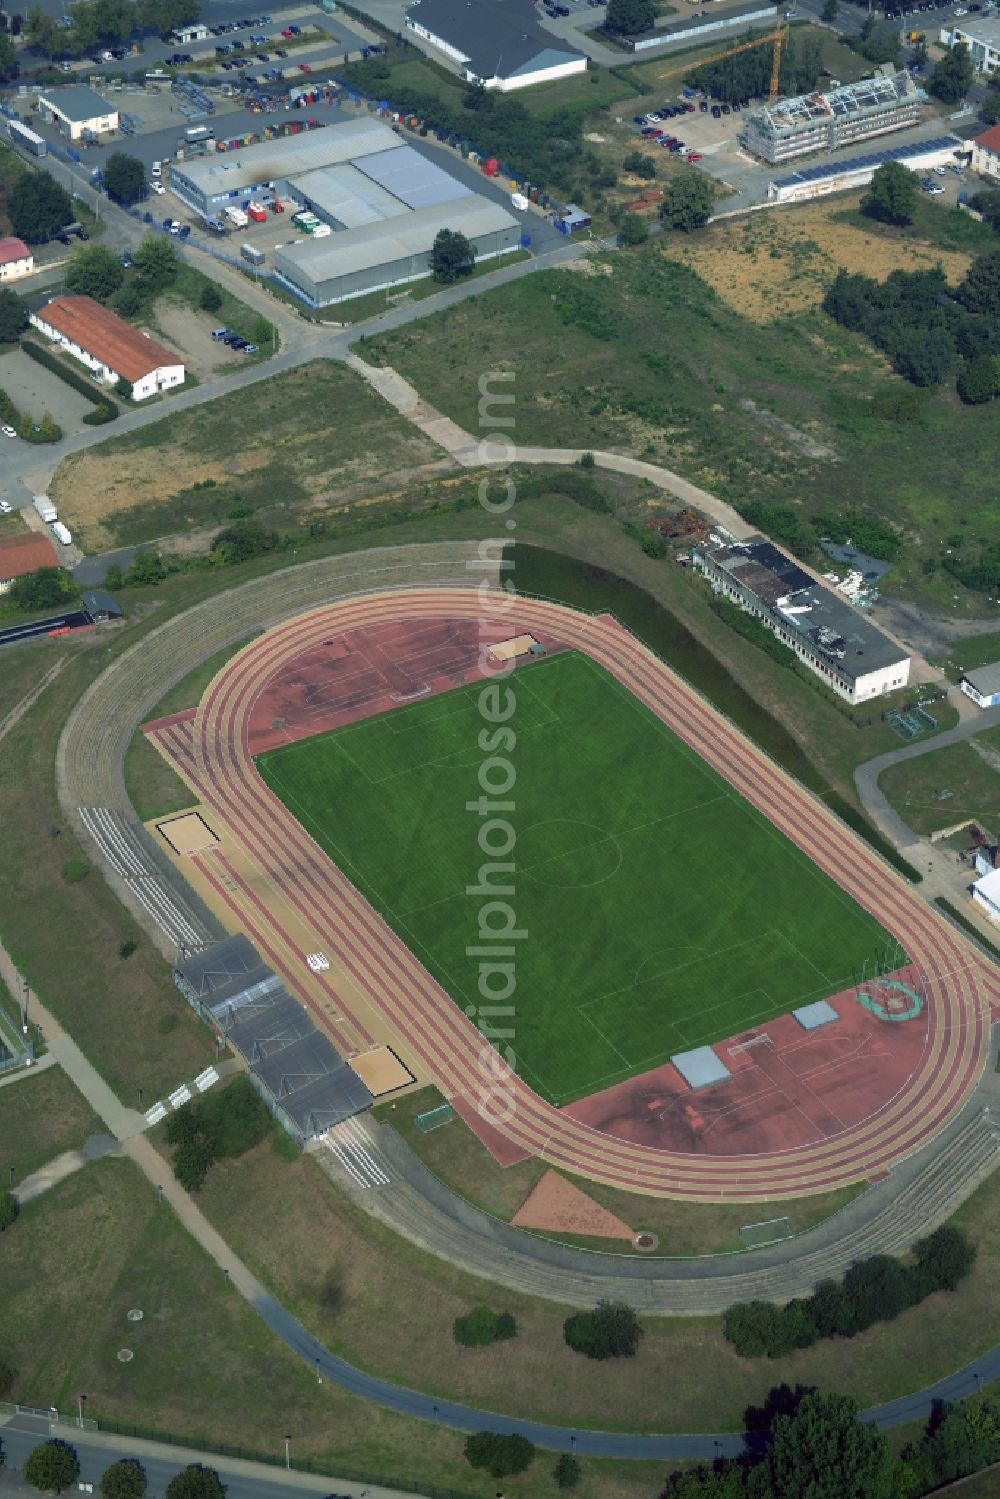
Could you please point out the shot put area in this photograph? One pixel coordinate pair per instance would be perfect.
(716, 989)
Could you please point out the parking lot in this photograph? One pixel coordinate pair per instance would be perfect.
(36, 390)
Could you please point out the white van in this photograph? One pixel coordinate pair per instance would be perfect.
(156, 170)
(61, 533)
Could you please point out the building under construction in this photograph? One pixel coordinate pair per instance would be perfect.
(824, 122)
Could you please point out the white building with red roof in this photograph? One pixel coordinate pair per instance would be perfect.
(15, 259)
(111, 348)
(986, 153)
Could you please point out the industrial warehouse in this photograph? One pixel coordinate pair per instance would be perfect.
(832, 637)
(372, 207)
(825, 122)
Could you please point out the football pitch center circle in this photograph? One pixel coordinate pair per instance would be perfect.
(579, 865)
(959, 983)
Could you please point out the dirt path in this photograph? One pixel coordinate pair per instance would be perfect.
(30, 698)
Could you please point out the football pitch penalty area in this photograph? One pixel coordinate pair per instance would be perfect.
(661, 911)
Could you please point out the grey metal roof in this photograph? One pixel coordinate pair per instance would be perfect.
(347, 195)
(985, 679)
(499, 38)
(96, 601)
(824, 620)
(289, 157)
(411, 178)
(295, 1063)
(78, 102)
(391, 240)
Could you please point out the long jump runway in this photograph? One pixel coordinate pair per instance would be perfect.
(214, 753)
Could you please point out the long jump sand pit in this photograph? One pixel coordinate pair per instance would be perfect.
(381, 1071)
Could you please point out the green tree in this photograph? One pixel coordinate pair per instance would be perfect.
(634, 230)
(753, 1328)
(147, 568)
(920, 51)
(43, 31)
(952, 78)
(196, 1482)
(40, 589)
(946, 1255)
(452, 256)
(13, 316)
(830, 11)
(128, 300)
(114, 577)
(876, 42)
(878, 1288)
(94, 272)
(630, 17)
(211, 297)
(965, 1439)
(893, 193)
(243, 540)
(8, 58)
(924, 356)
(477, 1328)
(501, 1456)
(832, 1312)
(48, 431)
(980, 291)
(990, 108)
(155, 258)
(124, 388)
(38, 207)
(52, 1466)
(125, 1479)
(640, 165)
(124, 177)
(688, 201)
(9, 1209)
(611, 1330)
(825, 1451)
(566, 1472)
(979, 380)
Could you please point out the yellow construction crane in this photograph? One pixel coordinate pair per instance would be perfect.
(777, 37)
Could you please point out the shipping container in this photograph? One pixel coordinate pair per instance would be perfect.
(28, 139)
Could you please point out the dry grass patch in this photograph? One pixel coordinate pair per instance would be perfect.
(41, 1115)
(781, 262)
(310, 436)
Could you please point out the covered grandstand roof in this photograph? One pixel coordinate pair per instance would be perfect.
(294, 1063)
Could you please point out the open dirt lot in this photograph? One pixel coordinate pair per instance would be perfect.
(184, 328)
(781, 262)
(312, 439)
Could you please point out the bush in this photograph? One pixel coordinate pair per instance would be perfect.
(566, 1472)
(52, 1467)
(501, 1456)
(240, 542)
(124, 1480)
(196, 1482)
(75, 870)
(9, 1209)
(611, 1330)
(211, 298)
(228, 1122)
(476, 1329)
(946, 1255)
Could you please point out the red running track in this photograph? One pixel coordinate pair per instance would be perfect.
(960, 984)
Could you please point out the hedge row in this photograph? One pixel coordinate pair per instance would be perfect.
(873, 1290)
(77, 381)
(751, 629)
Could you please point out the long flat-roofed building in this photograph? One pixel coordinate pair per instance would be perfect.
(838, 642)
(379, 202)
(497, 43)
(825, 122)
(110, 348)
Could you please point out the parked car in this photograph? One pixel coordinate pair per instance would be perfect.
(8, 431)
(157, 187)
(694, 156)
(280, 52)
(175, 226)
(250, 348)
(5, 506)
(185, 231)
(304, 67)
(218, 333)
(156, 170)
(939, 171)
(166, 224)
(126, 259)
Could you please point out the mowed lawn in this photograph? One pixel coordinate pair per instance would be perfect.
(660, 911)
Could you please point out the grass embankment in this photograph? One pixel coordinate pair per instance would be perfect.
(40, 1117)
(126, 1015)
(652, 362)
(611, 808)
(204, 1367)
(947, 786)
(311, 440)
(457, 1157)
(348, 1291)
(154, 787)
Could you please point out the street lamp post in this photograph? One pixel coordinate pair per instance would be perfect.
(288, 1455)
(79, 1405)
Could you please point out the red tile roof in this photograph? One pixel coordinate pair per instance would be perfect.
(990, 140)
(22, 554)
(103, 334)
(13, 249)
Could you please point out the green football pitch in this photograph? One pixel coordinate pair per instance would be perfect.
(661, 911)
